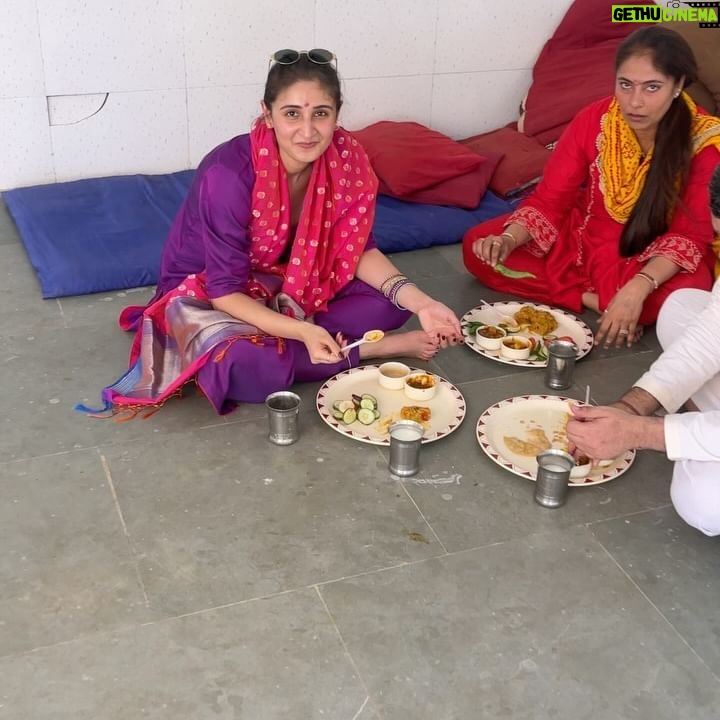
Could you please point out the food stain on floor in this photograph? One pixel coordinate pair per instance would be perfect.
(417, 537)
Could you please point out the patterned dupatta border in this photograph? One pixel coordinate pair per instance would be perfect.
(177, 336)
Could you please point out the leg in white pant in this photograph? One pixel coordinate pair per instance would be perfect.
(695, 490)
(671, 323)
(695, 493)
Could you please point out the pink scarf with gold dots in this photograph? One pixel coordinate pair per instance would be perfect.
(334, 225)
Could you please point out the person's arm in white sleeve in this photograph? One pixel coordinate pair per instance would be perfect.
(693, 436)
(689, 362)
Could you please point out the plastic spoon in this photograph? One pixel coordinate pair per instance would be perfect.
(501, 318)
(371, 336)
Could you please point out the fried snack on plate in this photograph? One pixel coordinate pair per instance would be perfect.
(540, 322)
(418, 413)
(534, 443)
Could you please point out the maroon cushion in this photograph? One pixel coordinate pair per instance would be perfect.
(523, 161)
(463, 191)
(408, 157)
(575, 67)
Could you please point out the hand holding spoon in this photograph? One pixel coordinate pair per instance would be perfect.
(371, 336)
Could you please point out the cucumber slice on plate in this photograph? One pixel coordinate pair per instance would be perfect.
(349, 416)
(366, 416)
(369, 402)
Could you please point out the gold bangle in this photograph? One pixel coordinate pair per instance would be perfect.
(649, 278)
(509, 235)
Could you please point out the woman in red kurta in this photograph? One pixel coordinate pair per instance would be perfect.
(621, 217)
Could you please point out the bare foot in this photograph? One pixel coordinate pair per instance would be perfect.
(413, 343)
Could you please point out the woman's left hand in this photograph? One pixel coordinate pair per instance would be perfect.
(441, 322)
(619, 322)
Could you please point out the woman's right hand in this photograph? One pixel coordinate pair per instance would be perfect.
(321, 346)
(493, 249)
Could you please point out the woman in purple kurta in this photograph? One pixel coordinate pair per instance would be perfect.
(270, 266)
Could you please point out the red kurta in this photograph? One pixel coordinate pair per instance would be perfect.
(575, 245)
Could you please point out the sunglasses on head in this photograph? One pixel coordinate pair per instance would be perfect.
(319, 56)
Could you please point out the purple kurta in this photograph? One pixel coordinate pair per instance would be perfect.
(210, 233)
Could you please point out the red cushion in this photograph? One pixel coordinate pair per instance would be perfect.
(463, 191)
(575, 67)
(588, 75)
(408, 157)
(523, 161)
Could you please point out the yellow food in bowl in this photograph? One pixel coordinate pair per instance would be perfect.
(492, 332)
(420, 386)
(421, 382)
(515, 343)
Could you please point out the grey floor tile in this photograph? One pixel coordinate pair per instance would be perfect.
(101, 308)
(496, 633)
(277, 659)
(46, 374)
(677, 568)
(215, 514)
(66, 568)
(470, 501)
(222, 515)
(24, 311)
(419, 265)
(611, 377)
(453, 255)
(8, 231)
(465, 365)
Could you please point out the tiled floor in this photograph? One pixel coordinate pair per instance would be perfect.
(182, 567)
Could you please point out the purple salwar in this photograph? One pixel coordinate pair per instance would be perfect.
(249, 373)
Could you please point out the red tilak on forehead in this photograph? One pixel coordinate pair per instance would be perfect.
(307, 104)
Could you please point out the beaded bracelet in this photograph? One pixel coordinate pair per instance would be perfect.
(397, 282)
(649, 278)
(396, 289)
(388, 283)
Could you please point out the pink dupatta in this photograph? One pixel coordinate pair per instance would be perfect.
(334, 225)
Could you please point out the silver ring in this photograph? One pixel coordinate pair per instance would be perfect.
(623, 332)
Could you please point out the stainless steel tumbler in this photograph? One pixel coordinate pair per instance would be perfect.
(560, 364)
(553, 477)
(405, 440)
(283, 408)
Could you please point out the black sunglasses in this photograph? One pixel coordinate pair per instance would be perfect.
(319, 56)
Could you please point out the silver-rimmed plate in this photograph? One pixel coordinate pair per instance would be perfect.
(447, 406)
(491, 314)
(515, 416)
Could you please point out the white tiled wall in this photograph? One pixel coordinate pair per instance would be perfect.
(136, 132)
(100, 87)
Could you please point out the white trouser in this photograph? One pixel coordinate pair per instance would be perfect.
(695, 489)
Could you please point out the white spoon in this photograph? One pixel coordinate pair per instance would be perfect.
(371, 336)
(500, 317)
